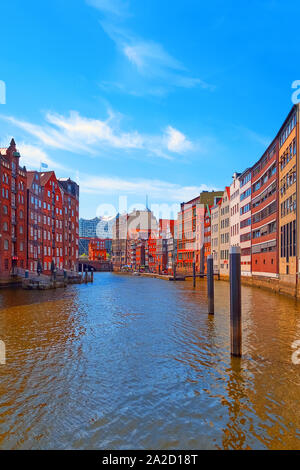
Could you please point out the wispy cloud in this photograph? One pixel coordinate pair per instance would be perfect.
(255, 136)
(114, 7)
(156, 189)
(76, 133)
(176, 141)
(160, 71)
(32, 157)
(154, 64)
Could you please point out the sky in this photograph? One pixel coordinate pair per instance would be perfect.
(136, 98)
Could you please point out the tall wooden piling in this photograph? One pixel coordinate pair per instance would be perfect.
(235, 301)
(86, 275)
(194, 274)
(92, 274)
(210, 285)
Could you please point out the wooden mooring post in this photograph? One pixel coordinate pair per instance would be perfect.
(194, 274)
(86, 275)
(235, 301)
(210, 285)
(92, 274)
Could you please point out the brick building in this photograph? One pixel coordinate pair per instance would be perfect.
(190, 231)
(70, 201)
(34, 221)
(119, 242)
(97, 250)
(264, 213)
(38, 219)
(151, 252)
(166, 231)
(53, 231)
(13, 240)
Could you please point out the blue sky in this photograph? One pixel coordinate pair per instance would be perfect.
(145, 96)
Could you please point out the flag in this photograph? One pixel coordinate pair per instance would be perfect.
(44, 165)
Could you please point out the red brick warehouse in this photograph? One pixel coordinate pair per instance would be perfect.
(13, 243)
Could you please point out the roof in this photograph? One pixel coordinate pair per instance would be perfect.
(30, 178)
(227, 189)
(45, 177)
(208, 197)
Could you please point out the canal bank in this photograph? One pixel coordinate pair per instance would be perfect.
(270, 284)
(129, 362)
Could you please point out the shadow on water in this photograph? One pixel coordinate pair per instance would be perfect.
(130, 362)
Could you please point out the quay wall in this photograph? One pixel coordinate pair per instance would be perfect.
(278, 285)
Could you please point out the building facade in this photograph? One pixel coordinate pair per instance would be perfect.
(224, 244)
(13, 240)
(264, 213)
(288, 158)
(190, 229)
(215, 234)
(245, 221)
(88, 227)
(207, 235)
(70, 201)
(97, 250)
(235, 210)
(34, 221)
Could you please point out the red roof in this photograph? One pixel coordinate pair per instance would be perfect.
(45, 176)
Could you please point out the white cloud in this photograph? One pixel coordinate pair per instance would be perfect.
(156, 189)
(176, 141)
(115, 7)
(146, 54)
(78, 134)
(160, 70)
(32, 157)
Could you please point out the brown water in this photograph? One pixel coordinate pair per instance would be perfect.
(137, 363)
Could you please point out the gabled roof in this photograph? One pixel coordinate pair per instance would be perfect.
(227, 189)
(45, 177)
(30, 178)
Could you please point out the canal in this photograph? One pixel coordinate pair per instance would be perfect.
(131, 362)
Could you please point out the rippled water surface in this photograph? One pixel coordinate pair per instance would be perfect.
(131, 362)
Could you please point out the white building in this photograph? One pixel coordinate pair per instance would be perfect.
(245, 222)
(224, 244)
(235, 210)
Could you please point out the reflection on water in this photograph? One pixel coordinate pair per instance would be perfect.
(137, 363)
